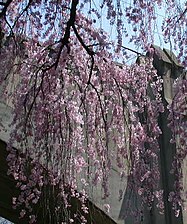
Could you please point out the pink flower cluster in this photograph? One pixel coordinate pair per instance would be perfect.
(76, 110)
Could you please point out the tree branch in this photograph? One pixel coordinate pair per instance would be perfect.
(129, 49)
(88, 50)
(184, 12)
(65, 40)
(5, 8)
(25, 9)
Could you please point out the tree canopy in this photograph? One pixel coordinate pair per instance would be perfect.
(78, 106)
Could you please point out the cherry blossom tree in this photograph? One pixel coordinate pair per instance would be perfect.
(75, 107)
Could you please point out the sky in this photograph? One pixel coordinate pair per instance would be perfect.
(111, 29)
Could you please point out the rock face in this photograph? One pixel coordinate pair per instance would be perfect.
(6, 116)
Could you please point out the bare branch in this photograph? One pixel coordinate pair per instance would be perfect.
(129, 49)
